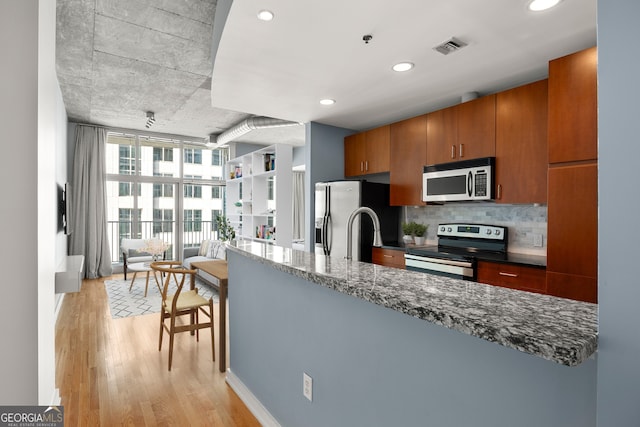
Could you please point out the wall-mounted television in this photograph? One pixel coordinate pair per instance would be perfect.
(65, 208)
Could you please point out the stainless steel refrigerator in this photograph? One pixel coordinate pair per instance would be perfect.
(334, 203)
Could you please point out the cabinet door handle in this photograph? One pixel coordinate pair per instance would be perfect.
(453, 151)
(361, 166)
(502, 273)
(461, 150)
(499, 191)
(366, 165)
(388, 256)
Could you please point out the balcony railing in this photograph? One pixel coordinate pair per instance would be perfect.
(192, 233)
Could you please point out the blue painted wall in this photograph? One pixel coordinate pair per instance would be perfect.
(324, 159)
(372, 366)
(619, 152)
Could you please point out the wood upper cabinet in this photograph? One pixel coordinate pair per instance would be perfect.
(521, 144)
(408, 157)
(354, 154)
(442, 136)
(573, 115)
(464, 131)
(572, 248)
(367, 152)
(477, 128)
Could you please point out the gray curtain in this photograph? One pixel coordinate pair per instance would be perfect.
(298, 205)
(89, 235)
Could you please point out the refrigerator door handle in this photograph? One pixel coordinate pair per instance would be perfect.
(328, 235)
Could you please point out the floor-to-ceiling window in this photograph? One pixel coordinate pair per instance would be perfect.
(167, 188)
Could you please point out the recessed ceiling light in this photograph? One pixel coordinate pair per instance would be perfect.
(402, 66)
(539, 5)
(265, 15)
(327, 101)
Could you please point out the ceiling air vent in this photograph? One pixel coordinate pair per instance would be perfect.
(451, 45)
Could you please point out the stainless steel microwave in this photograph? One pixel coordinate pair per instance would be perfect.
(467, 180)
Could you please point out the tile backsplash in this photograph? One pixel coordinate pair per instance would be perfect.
(524, 221)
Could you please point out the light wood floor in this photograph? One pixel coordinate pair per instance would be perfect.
(110, 372)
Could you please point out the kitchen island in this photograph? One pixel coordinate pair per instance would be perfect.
(392, 347)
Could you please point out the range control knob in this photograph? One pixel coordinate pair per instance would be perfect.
(442, 229)
(497, 233)
(449, 229)
(488, 231)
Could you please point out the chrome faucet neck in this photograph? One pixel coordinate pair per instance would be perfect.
(377, 236)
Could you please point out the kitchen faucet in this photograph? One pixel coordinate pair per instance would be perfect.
(377, 237)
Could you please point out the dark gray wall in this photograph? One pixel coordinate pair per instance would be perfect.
(373, 366)
(619, 151)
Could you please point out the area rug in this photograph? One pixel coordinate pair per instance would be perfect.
(123, 303)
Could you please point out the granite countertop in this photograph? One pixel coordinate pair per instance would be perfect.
(556, 329)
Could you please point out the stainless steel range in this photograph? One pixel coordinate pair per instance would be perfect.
(459, 247)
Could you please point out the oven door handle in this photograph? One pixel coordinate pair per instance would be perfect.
(439, 260)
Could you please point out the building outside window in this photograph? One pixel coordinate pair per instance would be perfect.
(157, 188)
(216, 193)
(193, 155)
(162, 220)
(162, 154)
(192, 220)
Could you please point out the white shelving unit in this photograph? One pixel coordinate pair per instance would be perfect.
(259, 195)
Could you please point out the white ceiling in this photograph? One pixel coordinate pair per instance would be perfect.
(314, 49)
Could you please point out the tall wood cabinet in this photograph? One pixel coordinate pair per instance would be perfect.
(573, 112)
(464, 131)
(521, 144)
(408, 157)
(259, 193)
(367, 152)
(572, 249)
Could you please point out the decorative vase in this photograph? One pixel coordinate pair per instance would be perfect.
(407, 239)
(419, 240)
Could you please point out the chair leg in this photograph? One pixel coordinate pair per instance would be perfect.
(197, 323)
(161, 329)
(171, 334)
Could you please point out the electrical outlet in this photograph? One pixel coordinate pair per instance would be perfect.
(537, 240)
(307, 386)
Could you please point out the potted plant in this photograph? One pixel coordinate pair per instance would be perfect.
(419, 230)
(226, 233)
(407, 231)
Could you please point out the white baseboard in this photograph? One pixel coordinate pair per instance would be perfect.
(252, 402)
(58, 303)
(55, 398)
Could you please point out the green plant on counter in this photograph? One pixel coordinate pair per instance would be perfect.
(413, 228)
(419, 229)
(407, 228)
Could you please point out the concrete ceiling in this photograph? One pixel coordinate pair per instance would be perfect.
(117, 59)
(314, 50)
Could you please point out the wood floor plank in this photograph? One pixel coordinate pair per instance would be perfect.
(110, 372)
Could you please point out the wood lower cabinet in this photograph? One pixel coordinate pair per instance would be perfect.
(572, 215)
(573, 107)
(388, 257)
(521, 144)
(367, 152)
(512, 276)
(408, 157)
